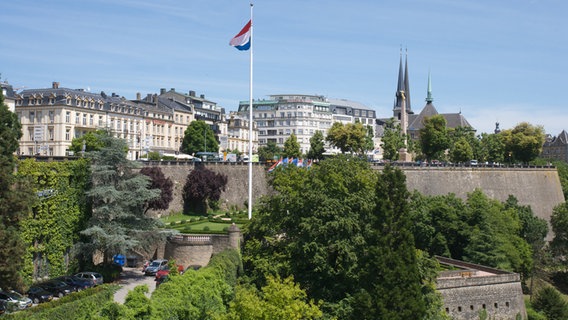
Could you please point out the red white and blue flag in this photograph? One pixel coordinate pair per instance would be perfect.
(242, 40)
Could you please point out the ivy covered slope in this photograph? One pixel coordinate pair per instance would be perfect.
(51, 227)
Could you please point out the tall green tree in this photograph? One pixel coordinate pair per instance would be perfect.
(15, 200)
(317, 146)
(391, 280)
(269, 152)
(434, 139)
(349, 138)
(461, 151)
(198, 137)
(292, 147)
(524, 142)
(118, 194)
(392, 140)
(492, 148)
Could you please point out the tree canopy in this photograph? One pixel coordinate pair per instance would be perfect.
(159, 181)
(349, 138)
(392, 140)
(524, 142)
(15, 200)
(118, 195)
(90, 140)
(269, 152)
(329, 240)
(317, 146)
(434, 139)
(291, 147)
(202, 188)
(198, 137)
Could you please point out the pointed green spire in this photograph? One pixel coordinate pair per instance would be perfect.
(429, 98)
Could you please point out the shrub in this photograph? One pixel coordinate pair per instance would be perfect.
(551, 303)
(206, 228)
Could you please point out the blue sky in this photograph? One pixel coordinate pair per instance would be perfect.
(495, 61)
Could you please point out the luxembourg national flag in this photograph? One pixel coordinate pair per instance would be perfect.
(242, 40)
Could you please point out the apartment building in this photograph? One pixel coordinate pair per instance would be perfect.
(284, 114)
(52, 117)
(238, 134)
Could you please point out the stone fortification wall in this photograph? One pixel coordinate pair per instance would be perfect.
(500, 296)
(538, 187)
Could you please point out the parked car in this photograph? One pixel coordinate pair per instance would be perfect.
(56, 288)
(77, 283)
(161, 280)
(39, 294)
(95, 277)
(166, 270)
(14, 301)
(2, 307)
(155, 266)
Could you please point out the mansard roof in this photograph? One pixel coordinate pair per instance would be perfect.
(561, 139)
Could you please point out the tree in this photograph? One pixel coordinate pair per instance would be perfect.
(391, 279)
(466, 134)
(550, 302)
(278, 299)
(335, 242)
(90, 140)
(559, 223)
(118, 194)
(347, 138)
(317, 146)
(158, 181)
(291, 147)
(369, 144)
(269, 152)
(15, 200)
(202, 187)
(492, 148)
(198, 137)
(434, 137)
(392, 140)
(523, 142)
(461, 151)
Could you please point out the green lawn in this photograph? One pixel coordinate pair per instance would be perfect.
(201, 224)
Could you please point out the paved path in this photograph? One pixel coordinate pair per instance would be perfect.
(129, 279)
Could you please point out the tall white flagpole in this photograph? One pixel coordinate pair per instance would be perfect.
(250, 119)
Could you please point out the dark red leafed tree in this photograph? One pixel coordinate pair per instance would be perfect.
(201, 187)
(158, 181)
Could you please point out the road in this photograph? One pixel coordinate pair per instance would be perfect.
(131, 278)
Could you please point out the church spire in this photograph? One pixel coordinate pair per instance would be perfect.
(429, 98)
(407, 85)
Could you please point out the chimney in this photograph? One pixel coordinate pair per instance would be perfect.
(162, 90)
(192, 93)
(55, 85)
(138, 96)
(202, 96)
(173, 89)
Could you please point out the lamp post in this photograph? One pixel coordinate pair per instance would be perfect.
(205, 137)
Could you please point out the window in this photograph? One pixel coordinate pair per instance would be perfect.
(51, 116)
(84, 119)
(50, 133)
(77, 116)
(67, 134)
(39, 116)
(32, 116)
(68, 116)
(91, 119)
(100, 121)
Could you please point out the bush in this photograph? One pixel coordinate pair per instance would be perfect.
(551, 303)
(206, 228)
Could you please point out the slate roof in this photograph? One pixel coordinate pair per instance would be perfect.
(453, 120)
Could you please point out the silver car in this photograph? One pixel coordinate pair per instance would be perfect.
(15, 301)
(95, 277)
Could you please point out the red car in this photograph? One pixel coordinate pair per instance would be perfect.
(164, 272)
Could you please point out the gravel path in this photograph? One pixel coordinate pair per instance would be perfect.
(131, 278)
